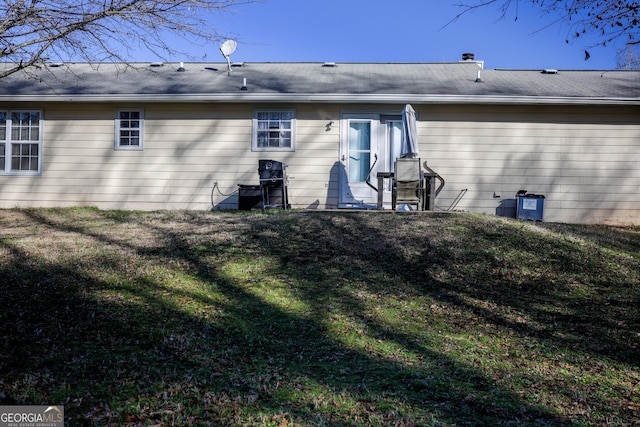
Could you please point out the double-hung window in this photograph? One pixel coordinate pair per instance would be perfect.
(274, 130)
(20, 142)
(129, 129)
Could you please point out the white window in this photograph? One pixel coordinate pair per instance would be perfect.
(274, 130)
(129, 130)
(20, 142)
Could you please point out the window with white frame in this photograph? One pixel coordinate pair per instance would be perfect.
(129, 129)
(274, 130)
(20, 142)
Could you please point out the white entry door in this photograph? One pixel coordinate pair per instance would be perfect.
(359, 156)
(369, 143)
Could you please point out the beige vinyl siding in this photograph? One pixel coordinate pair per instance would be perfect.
(309, 168)
(187, 148)
(583, 159)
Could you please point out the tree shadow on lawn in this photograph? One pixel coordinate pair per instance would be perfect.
(562, 299)
(576, 295)
(104, 336)
(69, 332)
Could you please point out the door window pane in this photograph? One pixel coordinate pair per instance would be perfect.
(395, 143)
(360, 136)
(359, 151)
(359, 166)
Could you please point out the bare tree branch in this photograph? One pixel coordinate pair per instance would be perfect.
(100, 29)
(469, 8)
(628, 58)
(607, 20)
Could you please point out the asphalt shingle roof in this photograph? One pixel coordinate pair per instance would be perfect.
(344, 82)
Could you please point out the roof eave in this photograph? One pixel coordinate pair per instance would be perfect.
(340, 98)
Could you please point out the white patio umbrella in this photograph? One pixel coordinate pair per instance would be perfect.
(409, 147)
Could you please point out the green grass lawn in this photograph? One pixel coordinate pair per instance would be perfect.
(318, 319)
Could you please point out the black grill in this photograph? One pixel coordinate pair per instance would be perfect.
(271, 172)
(273, 184)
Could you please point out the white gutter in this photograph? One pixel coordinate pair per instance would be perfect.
(324, 98)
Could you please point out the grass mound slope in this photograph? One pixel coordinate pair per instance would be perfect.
(318, 319)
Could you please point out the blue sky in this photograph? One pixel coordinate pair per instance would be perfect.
(400, 31)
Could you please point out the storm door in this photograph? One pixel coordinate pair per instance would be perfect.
(368, 143)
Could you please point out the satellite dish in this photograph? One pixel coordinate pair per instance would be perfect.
(227, 48)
